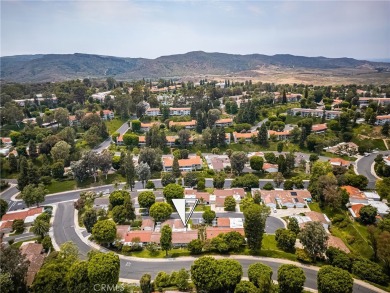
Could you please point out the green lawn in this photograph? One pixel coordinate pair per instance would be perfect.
(315, 207)
(269, 249)
(176, 252)
(60, 186)
(295, 119)
(18, 244)
(114, 124)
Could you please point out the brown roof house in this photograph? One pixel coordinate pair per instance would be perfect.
(34, 253)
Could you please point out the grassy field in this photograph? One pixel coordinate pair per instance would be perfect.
(269, 249)
(18, 244)
(114, 124)
(60, 186)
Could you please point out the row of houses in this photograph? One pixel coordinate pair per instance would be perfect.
(283, 198)
(304, 112)
(172, 111)
(104, 114)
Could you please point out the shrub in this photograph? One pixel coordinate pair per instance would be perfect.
(149, 185)
(303, 256)
(195, 246)
(370, 271)
(338, 258)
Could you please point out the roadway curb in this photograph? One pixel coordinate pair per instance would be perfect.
(10, 186)
(373, 171)
(51, 232)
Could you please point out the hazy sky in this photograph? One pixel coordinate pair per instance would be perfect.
(150, 29)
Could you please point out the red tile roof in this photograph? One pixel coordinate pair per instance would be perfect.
(191, 161)
(213, 232)
(21, 215)
(337, 243)
(354, 192)
(144, 236)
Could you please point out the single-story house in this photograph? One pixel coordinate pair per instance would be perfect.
(224, 122)
(285, 198)
(237, 136)
(270, 168)
(339, 162)
(35, 254)
(319, 128)
(187, 124)
(355, 195)
(217, 162)
(280, 135)
(193, 163)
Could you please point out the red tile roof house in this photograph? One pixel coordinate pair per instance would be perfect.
(286, 198)
(270, 168)
(6, 226)
(280, 135)
(247, 137)
(224, 122)
(34, 253)
(337, 243)
(6, 141)
(237, 193)
(319, 128)
(147, 126)
(22, 215)
(213, 232)
(382, 119)
(355, 210)
(355, 195)
(187, 124)
(204, 197)
(193, 163)
(339, 162)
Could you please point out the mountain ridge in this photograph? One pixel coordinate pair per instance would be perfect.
(58, 67)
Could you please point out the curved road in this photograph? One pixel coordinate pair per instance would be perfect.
(131, 268)
(363, 167)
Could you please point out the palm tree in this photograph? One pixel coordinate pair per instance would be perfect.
(40, 228)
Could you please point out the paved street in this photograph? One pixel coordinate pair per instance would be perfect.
(363, 167)
(132, 268)
(105, 144)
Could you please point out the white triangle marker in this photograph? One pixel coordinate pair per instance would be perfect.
(180, 205)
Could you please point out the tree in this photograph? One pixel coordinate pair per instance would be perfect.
(13, 163)
(51, 277)
(61, 115)
(129, 170)
(261, 276)
(146, 283)
(119, 214)
(280, 147)
(176, 168)
(105, 162)
(146, 199)
(285, 239)
(254, 225)
(18, 226)
(130, 139)
(32, 149)
(77, 278)
(172, 191)
(229, 274)
(368, 215)
(104, 231)
(190, 179)
(293, 225)
(278, 179)
(368, 270)
(382, 187)
(166, 239)
(245, 287)
(230, 204)
(256, 163)
(118, 197)
(237, 161)
(12, 113)
(60, 151)
(338, 258)
(182, 280)
(40, 228)
(3, 207)
(23, 169)
(103, 268)
(68, 253)
(57, 169)
(383, 252)
(385, 129)
(219, 180)
(15, 265)
(167, 178)
(195, 246)
(262, 136)
(204, 272)
(268, 186)
(184, 137)
(208, 216)
(143, 172)
(291, 279)
(334, 280)
(313, 238)
(160, 211)
(246, 202)
(34, 195)
(288, 185)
